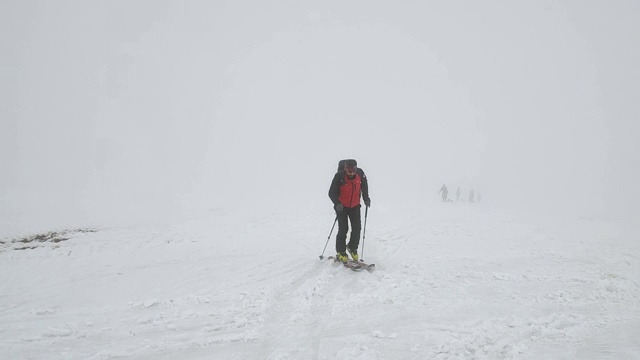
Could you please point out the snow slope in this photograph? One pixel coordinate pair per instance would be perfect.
(452, 281)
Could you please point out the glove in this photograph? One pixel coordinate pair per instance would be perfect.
(338, 207)
(367, 203)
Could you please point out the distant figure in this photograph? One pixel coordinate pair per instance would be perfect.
(471, 195)
(458, 193)
(444, 192)
(479, 197)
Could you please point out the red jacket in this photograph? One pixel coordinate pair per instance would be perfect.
(350, 191)
(347, 191)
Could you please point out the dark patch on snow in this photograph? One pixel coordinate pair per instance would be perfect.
(33, 241)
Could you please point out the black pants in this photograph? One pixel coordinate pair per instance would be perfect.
(346, 215)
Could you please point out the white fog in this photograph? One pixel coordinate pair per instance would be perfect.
(139, 105)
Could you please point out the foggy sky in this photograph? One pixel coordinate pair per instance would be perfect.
(142, 108)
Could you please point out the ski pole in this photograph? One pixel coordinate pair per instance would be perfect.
(364, 232)
(329, 237)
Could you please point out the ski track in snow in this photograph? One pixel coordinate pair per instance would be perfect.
(456, 283)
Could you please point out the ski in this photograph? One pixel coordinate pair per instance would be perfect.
(364, 265)
(354, 264)
(349, 264)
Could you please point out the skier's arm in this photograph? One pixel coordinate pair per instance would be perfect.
(364, 186)
(334, 190)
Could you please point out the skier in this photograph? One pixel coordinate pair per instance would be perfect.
(346, 187)
(458, 193)
(471, 195)
(444, 192)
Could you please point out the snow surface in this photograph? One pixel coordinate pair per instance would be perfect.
(452, 281)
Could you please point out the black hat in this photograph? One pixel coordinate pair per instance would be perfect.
(350, 163)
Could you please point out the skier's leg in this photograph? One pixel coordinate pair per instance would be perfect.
(356, 226)
(343, 228)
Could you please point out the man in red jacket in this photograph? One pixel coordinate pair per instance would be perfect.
(348, 184)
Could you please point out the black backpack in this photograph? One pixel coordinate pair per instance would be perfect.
(343, 163)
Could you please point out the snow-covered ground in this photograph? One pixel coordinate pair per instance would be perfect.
(452, 281)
